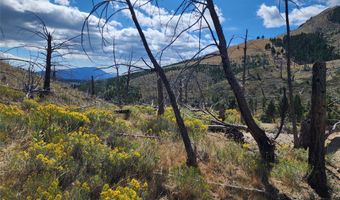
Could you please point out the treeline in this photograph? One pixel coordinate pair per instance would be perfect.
(308, 47)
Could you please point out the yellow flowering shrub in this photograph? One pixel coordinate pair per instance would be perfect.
(49, 156)
(29, 104)
(12, 121)
(157, 126)
(10, 111)
(52, 192)
(52, 118)
(195, 126)
(100, 120)
(233, 116)
(65, 156)
(133, 191)
(105, 122)
(87, 148)
(70, 158)
(45, 186)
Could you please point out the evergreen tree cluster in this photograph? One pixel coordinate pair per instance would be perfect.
(308, 47)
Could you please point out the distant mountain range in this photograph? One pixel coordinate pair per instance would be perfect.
(82, 74)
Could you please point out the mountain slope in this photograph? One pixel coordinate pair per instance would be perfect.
(13, 79)
(265, 77)
(327, 23)
(83, 74)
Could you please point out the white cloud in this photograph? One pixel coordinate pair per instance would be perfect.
(333, 3)
(270, 15)
(62, 2)
(298, 17)
(66, 21)
(272, 18)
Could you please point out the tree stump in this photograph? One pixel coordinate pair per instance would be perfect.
(316, 156)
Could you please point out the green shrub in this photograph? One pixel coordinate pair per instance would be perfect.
(12, 122)
(29, 104)
(239, 156)
(292, 165)
(188, 183)
(50, 119)
(157, 126)
(11, 94)
(78, 157)
(195, 127)
(133, 191)
(233, 116)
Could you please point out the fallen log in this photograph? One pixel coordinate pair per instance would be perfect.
(229, 132)
(237, 126)
(216, 128)
(126, 113)
(137, 136)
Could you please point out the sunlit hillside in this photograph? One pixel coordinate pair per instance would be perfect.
(169, 100)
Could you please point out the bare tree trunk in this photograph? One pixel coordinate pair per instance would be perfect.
(47, 79)
(92, 86)
(244, 62)
(160, 97)
(265, 146)
(316, 156)
(186, 91)
(119, 99)
(128, 82)
(289, 79)
(191, 155)
(54, 74)
(180, 90)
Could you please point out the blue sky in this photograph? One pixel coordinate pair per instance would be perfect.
(65, 17)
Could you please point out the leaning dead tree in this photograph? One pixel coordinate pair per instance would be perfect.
(316, 155)
(265, 145)
(131, 7)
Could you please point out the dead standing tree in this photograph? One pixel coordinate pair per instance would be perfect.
(292, 113)
(160, 97)
(52, 50)
(265, 145)
(316, 155)
(127, 5)
(244, 62)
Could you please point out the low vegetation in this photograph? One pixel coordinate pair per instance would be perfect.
(52, 151)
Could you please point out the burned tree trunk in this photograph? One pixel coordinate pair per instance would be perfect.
(47, 79)
(281, 69)
(244, 62)
(265, 146)
(160, 97)
(191, 155)
(316, 156)
(180, 91)
(92, 86)
(304, 138)
(54, 74)
(289, 79)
